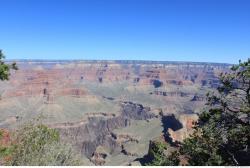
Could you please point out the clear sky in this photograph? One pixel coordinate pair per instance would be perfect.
(168, 30)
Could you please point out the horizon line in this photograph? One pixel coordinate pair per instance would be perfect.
(115, 61)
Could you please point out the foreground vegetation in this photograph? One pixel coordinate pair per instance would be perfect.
(222, 133)
(36, 145)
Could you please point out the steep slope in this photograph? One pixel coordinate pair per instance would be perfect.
(109, 110)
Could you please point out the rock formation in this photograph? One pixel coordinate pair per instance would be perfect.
(187, 121)
(99, 156)
(30, 80)
(87, 100)
(96, 132)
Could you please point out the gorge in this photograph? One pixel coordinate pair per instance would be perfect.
(109, 110)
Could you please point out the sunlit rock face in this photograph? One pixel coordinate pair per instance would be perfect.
(109, 110)
(47, 77)
(187, 121)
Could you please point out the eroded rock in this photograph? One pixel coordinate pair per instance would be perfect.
(187, 121)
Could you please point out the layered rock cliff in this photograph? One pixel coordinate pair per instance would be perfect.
(97, 131)
(88, 100)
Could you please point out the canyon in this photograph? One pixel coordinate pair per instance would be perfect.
(110, 111)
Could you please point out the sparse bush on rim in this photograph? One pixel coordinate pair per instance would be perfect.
(39, 145)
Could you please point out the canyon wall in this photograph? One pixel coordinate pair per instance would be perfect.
(88, 101)
(56, 78)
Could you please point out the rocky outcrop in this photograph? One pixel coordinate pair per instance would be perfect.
(136, 111)
(94, 133)
(123, 138)
(176, 129)
(97, 131)
(99, 156)
(187, 121)
(170, 122)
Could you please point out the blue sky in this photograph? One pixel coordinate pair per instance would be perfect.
(168, 30)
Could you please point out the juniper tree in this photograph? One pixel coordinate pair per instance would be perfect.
(222, 133)
(5, 68)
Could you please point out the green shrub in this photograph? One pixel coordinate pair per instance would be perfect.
(39, 145)
(157, 154)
